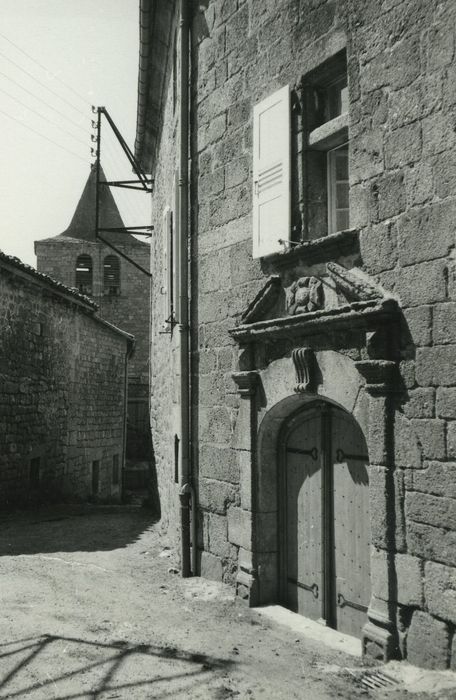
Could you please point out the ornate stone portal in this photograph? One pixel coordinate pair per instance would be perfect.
(335, 353)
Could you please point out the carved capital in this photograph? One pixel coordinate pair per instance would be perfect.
(381, 376)
(246, 382)
(303, 360)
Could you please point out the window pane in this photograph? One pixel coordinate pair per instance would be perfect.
(341, 155)
(342, 195)
(342, 220)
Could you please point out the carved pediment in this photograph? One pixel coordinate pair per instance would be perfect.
(337, 293)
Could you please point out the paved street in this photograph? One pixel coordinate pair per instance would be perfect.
(92, 607)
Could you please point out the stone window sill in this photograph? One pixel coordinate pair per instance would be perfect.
(323, 249)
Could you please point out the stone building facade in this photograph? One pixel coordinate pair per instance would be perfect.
(322, 304)
(63, 399)
(121, 291)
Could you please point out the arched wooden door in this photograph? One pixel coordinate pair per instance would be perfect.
(325, 525)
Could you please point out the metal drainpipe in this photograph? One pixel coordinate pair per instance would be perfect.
(185, 490)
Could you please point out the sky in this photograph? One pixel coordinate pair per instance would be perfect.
(57, 58)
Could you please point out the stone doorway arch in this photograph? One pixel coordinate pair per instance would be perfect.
(270, 398)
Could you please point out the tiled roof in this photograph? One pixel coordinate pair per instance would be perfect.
(45, 279)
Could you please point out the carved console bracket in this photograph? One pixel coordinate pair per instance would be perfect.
(246, 382)
(381, 376)
(304, 363)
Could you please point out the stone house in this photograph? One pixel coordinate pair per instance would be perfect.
(304, 305)
(64, 390)
(77, 259)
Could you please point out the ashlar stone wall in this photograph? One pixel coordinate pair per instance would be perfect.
(62, 405)
(129, 310)
(402, 93)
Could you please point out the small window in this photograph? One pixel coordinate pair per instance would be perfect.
(115, 470)
(95, 477)
(338, 189)
(35, 469)
(336, 98)
(84, 274)
(111, 276)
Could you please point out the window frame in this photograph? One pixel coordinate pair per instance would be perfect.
(332, 189)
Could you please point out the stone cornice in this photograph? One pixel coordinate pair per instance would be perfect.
(365, 315)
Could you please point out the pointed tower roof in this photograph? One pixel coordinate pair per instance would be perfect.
(82, 225)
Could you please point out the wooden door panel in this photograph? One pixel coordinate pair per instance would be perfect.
(351, 524)
(303, 518)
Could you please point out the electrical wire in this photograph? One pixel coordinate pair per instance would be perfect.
(43, 116)
(38, 133)
(40, 82)
(40, 99)
(56, 77)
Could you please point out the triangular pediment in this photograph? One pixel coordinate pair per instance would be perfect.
(337, 295)
(337, 287)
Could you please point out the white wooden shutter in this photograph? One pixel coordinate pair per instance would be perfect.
(271, 173)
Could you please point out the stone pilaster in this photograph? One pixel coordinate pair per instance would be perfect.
(379, 637)
(245, 442)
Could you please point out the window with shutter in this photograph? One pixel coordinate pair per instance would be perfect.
(176, 258)
(167, 266)
(271, 173)
(111, 275)
(84, 274)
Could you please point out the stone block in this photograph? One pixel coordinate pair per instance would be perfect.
(359, 206)
(431, 437)
(379, 246)
(428, 642)
(419, 183)
(379, 573)
(403, 146)
(245, 469)
(215, 495)
(451, 440)
(215, 425)
(407, 450)
(432, 510)
(437, 478)
(446, 402)
(435, 366)
(388, 195)
(237, 172)
(438, 133)
(423, 283)
(444, 326)
(409, 580)
(240, 527)
(367, 156)
(426, 233)
(405, 62)
(419, 324)
(431, 542)
(444, 173)
(440, 590)
(211, 567)
(217, 541)
(219, 463)
(378, 498)
(420, 403)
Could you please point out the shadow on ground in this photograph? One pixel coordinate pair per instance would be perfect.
(72, 529)
(66, 668)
